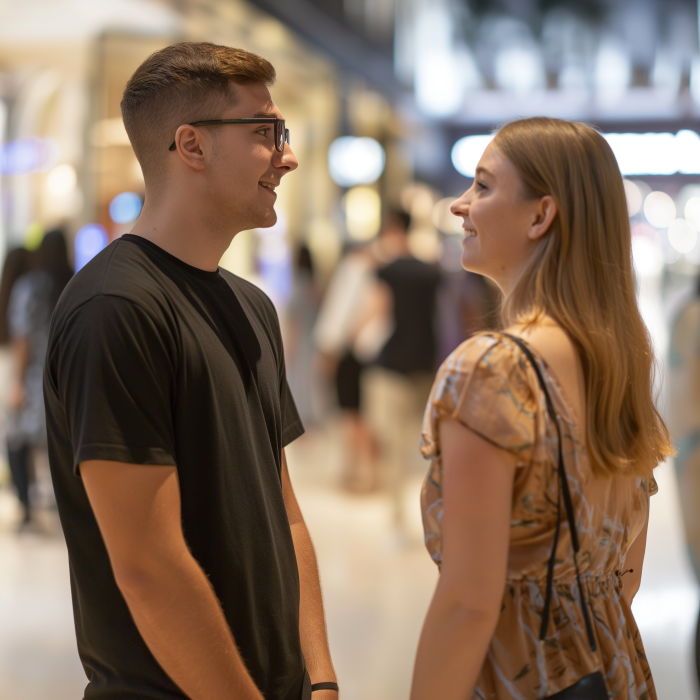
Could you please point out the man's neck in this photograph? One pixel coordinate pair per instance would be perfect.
(182, 232)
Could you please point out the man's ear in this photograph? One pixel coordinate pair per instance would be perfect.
(543, 216)
(191, 147)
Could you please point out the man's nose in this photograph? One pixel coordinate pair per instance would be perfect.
(286, 160)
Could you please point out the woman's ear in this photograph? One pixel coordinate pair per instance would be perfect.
(543, 216)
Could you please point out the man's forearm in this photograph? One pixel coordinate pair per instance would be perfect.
(312, 624)
(180, 619)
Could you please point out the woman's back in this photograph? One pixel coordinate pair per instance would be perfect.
(490, 387)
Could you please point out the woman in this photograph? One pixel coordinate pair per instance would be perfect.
(546, 219)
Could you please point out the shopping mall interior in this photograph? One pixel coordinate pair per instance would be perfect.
(390, 104)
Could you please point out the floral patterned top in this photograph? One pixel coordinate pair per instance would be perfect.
(489, 385)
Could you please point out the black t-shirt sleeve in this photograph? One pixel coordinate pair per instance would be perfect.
(292, 427)
(114, 373)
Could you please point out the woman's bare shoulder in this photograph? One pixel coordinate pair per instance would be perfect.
(553, 344)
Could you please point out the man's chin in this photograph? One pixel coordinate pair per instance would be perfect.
(267, 219)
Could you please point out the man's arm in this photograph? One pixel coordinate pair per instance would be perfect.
(312, 622)
(173, 605)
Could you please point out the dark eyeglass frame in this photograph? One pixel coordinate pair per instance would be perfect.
(281, 132)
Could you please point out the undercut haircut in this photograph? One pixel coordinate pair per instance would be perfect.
(182, 83)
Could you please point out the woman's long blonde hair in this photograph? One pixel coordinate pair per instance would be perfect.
(581, 276)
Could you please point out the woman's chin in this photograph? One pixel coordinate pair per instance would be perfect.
(469, 261)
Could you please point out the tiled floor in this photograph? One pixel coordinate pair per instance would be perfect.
(376, 588)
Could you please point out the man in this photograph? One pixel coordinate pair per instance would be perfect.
(192, 571)
(398, 386)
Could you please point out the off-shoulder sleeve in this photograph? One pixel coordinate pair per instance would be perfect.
(487, 386)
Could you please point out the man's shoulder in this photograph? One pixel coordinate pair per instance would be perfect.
(122, 271)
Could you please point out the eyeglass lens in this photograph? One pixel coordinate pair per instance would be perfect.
(281, 134)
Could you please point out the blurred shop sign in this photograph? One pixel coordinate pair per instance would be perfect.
(89, 241)
(657, 153)
(637, 154)
(355, 161)
(28, 155)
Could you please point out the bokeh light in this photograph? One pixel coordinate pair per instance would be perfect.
(125, 207)
(362, 213)
(89, 241)
(647, 253)
(634, 197)
(61, 180)
(659, 209)
(274, 260)
(355, 161)
(682, 236)
(467, 152)
(692, 212)
(28, 155)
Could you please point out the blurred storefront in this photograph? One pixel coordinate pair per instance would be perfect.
(66, 156)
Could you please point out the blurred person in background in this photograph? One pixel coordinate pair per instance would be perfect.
(168, 411)
(552, 420)
(397, 385)
(684, 422)
(17, 263)
(301, 313)
(33, 297)
(344, 357)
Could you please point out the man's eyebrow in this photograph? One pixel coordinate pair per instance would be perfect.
(263, 114)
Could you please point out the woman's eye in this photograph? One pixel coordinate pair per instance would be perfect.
(481, 185)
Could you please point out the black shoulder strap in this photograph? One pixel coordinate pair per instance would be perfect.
(568, 504)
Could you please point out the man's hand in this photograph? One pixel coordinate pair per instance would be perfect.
(137, 508)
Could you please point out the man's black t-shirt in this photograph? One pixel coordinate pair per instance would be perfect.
(412, 348)
(152, 361)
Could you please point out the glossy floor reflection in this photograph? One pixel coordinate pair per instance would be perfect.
(376, 585)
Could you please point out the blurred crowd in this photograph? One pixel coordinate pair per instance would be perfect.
(368, 344)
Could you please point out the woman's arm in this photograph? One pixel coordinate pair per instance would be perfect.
(477, 500)
(634, 560)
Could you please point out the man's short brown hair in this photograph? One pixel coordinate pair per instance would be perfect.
(180, 84)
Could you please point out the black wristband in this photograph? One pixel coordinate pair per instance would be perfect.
(329, 685)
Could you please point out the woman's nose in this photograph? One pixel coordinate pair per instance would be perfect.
(460, 206)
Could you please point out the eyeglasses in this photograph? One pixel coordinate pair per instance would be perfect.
(281, 132)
